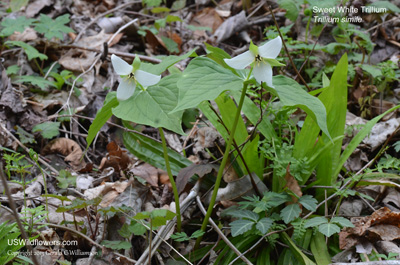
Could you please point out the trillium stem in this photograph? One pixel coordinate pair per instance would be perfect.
(171, 179)
(223, 163)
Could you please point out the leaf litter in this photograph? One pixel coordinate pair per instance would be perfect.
(124, 181)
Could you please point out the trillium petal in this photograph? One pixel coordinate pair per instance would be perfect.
(263, 73)
(146, 79)
(125, 89)
(271, 49)
(120, 66)
(240, 61)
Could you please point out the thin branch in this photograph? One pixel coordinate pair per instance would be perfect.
(287, 51)
(224, 238)
(27, 149)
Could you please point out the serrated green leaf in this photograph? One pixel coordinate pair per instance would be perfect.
(342, 221)
(371, 69)
(152, 107)
(47, 129)
(202, 80)
(264, 225)
(102, 116)
(308, 202)
(25, 137)
(15, 25)
(35, 80)
(316, 221)
(53, 28)
(180, 237)
(116, 244)
(30, 51)
(290, 212)
(329, 229)
(241, 226)
(142, 215)
(124, 231)
(137, 228)
(197, 234)
(13, 69)
(244, 214)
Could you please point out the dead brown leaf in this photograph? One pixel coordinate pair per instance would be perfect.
(186, 173)
(116, 158)
(292, 184)
(350, 236)
(68, 148)
(147, 172)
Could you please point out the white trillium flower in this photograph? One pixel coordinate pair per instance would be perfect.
(131, 76)
(263, 58)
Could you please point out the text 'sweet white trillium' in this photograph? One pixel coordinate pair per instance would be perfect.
(263, 58)
(131, 76)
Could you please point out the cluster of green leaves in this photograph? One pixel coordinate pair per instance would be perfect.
(139, 225)
(262, 212)
(8, 233)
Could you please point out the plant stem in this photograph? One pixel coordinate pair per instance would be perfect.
(171, 179)
(222, 166)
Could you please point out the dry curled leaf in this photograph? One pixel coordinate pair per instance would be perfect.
(350, 236)
(292, 184)
(68, 148)
(116, 158)
(186, 173)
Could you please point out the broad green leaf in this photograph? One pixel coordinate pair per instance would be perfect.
(300, 257)
(152, 106)
(137, 228)
(166, 63)
(202, 80)
(292, 9)
(142, 215)
(102, 116)
(290, 212)
(15, 25)
(316, 221)
(320, 250)
(47, 129)
(252, 112)
(342, 221)
(308, 141)
(308, 202)
(30, 51)
(171, 45)
(241, 226)
(387, 5)
(151, 151)
(244, 214)
(25, 137)
(15, 6)
(167, 214)
(53, 28)
(371, 69)
(264, 225)
(358, 138)
(116, 244)
(329, 229)
(292, 95)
